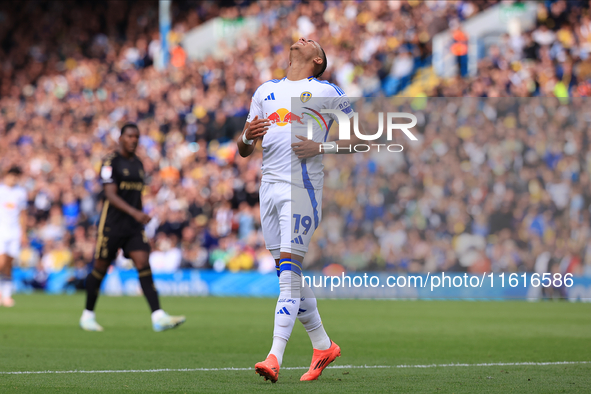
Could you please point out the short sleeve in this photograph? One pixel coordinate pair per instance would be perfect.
(256, 108)
(107, 173)
(338, 100)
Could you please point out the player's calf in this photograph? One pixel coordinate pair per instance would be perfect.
(310, 318)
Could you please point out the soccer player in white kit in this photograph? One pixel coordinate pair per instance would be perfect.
(291, 192)
(13, 202)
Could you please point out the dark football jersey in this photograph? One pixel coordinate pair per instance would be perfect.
(128, 175)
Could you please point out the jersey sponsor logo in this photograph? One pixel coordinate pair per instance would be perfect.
(283, 117)
(270, 97)
(106, 173)
(131, 186)
(10, 205)
(305, 96)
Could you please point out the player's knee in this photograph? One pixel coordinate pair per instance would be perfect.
(140, 259)
(5, 263)
(101, 266)
(276, 253)
(6, 270)
(141, 263)
(142, 266)
(290, 284)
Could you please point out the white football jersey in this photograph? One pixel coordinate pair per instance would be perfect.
(273, 100)
(13, 200)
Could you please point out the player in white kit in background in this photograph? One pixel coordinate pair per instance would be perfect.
(291, 192)
(13, 204)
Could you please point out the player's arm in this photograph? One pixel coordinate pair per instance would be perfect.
(342, 146)
(23, 223)
(122, 205)
(252, 132)
(308, 148)
(255, 127)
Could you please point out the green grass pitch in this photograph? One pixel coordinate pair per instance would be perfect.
(41, 334)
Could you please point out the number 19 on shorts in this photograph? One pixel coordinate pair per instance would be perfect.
(302, 222)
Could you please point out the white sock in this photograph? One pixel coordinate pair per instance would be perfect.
(319, 338)
(157, 314)
(310, 318)
(86, 314)
(278, 348)
(6, 288)
(286, 311)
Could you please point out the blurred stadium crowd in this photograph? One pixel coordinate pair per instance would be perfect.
(491, 185)
(73, 72)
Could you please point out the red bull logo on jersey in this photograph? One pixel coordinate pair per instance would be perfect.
(283, 117)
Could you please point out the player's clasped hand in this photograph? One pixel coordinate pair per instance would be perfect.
(257, 128)
(306, 148)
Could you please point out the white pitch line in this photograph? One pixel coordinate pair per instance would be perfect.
(289, 368)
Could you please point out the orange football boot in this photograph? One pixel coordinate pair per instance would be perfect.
(269, 369)
(320, 360)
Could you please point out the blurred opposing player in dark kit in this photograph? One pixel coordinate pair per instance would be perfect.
(121, 226)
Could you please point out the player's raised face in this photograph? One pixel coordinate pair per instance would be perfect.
(130, 137)
(306, 49)
(10, 179)
(308, 52)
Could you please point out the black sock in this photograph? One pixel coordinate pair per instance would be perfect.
(93, 286)
(148, 288)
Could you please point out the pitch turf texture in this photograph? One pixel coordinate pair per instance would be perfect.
(41, 334)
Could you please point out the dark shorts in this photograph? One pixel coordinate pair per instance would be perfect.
(108, 245)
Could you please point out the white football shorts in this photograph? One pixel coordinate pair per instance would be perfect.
(289, 216)
(10, 246)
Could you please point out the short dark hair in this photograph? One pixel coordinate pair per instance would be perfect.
(324, 63)
(128, 126)
(16, 170)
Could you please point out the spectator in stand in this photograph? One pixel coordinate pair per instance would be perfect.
(459, 48)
